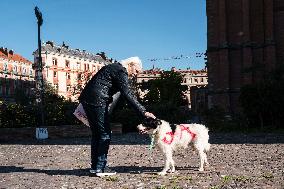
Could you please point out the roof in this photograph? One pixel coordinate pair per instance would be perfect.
(10, 55)
(50, 47)
(158, 71)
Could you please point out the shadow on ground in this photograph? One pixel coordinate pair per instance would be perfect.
(15, 169)
(85, 172)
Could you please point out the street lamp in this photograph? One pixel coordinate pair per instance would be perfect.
(41, 133)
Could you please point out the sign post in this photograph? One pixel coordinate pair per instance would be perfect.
(41, 133)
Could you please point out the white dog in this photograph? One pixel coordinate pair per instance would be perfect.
(171, 137)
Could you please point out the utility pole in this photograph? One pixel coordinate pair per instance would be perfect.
(41, 133)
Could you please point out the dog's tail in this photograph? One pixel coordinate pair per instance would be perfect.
(205, 136)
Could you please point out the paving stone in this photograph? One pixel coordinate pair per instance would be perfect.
(236, 161)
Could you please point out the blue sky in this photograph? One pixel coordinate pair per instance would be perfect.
(150, 29)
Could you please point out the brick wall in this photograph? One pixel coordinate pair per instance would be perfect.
(279, 31)
(241, 34)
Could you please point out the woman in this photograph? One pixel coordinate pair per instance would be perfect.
(96, 98)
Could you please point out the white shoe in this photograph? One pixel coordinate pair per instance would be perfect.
(102, 173)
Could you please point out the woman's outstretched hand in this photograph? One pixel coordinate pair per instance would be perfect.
(148, 114)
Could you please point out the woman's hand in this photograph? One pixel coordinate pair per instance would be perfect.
(148, 114)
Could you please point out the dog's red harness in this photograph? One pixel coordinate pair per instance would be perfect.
(183, 128)
(168, 141)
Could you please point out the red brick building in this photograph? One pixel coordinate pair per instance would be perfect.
(245, 38)
(15, 72)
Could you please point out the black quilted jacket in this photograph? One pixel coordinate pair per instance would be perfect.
(109, 80)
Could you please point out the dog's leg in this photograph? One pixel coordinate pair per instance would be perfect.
(202, 155)
(202, 159)
(173, 166)
(205, 159)
(169, 158)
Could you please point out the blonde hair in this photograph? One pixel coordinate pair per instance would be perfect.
(132, 60)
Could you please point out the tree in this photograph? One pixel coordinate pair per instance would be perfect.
(25, 112)
(263, 102)
(166, 89)
(166, 96)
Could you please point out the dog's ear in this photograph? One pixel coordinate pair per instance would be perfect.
(151, 122)
(158, 122)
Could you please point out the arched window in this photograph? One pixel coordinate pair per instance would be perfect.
(68, 75)
(67, 64)
(54, 61)
(15, 69)
(5, 66)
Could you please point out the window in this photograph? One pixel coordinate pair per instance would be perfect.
(78, 65)
(15, 69)
(85, 67)
(68, 87)
(54, 74)
(56, 87)
(24, 71)
(31, 72)
(54, 61)
(79, 77)
(5, 67)
(94, 69)
(68, 75)
(67, 64)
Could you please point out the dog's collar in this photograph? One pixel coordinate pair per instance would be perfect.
(152, 144)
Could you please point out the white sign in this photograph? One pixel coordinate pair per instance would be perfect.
(81, 115)
(41, 133)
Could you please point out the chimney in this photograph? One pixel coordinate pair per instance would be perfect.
(5, 51)
(11, 52)
(64, 45)
(50, 43)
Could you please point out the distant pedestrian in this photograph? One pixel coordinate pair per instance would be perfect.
(96, 98)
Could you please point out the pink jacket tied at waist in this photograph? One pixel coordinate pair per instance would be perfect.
(81, 115)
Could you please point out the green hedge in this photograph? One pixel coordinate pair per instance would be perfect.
(17, 115)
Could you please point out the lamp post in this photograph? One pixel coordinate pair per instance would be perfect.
(41, 133)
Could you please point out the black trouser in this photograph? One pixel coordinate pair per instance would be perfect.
(101, 134)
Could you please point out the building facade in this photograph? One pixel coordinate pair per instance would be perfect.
(15, 73)
(199, 99)
(66, 68)
(191, 78)
(245, 39)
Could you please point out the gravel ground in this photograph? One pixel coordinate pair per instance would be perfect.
(236, 161)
